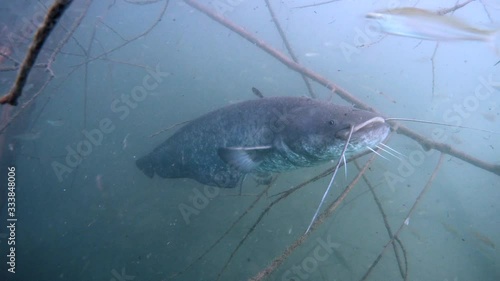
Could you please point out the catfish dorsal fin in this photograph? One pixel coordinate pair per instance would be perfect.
(244, 158)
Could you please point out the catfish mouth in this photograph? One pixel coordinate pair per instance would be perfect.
(361, 129)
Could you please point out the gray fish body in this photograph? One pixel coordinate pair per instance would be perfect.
(264, 135)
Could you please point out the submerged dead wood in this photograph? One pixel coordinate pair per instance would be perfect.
(27, 105)
(288, 46)
(424, 141)
(266, 272)
(412, 209)
(55, 12)
(403, 265)
(344, 94)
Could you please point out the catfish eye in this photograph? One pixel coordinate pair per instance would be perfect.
(331, 122)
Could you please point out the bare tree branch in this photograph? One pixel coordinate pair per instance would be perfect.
(55, 12)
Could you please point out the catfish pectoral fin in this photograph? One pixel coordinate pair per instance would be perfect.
(244, 159)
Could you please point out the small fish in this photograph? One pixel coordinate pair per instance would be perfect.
(257, 92)
(56, 123)
(423, 24)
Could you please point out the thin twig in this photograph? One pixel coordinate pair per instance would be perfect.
(26, 105)
(143, 66)
(331, 208)
(344, 94)
(454, 8)
(14, 68)
(403, 270)
(69, 34)
(249, 208)
(112, 29)
(316, 4)
(88, 51)
(282, 196)
(160, 16)
(7, 56)
(56, 51)
(434, 68)
(55, 12)
(417, 201)
(289, 47)
(486, 10)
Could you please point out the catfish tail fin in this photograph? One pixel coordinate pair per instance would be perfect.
(145, 164)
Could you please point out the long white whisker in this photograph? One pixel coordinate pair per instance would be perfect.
(374, 151)
(391, 149)
(390, 153)
(331, 181)
(438, 123)
(345, 166)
